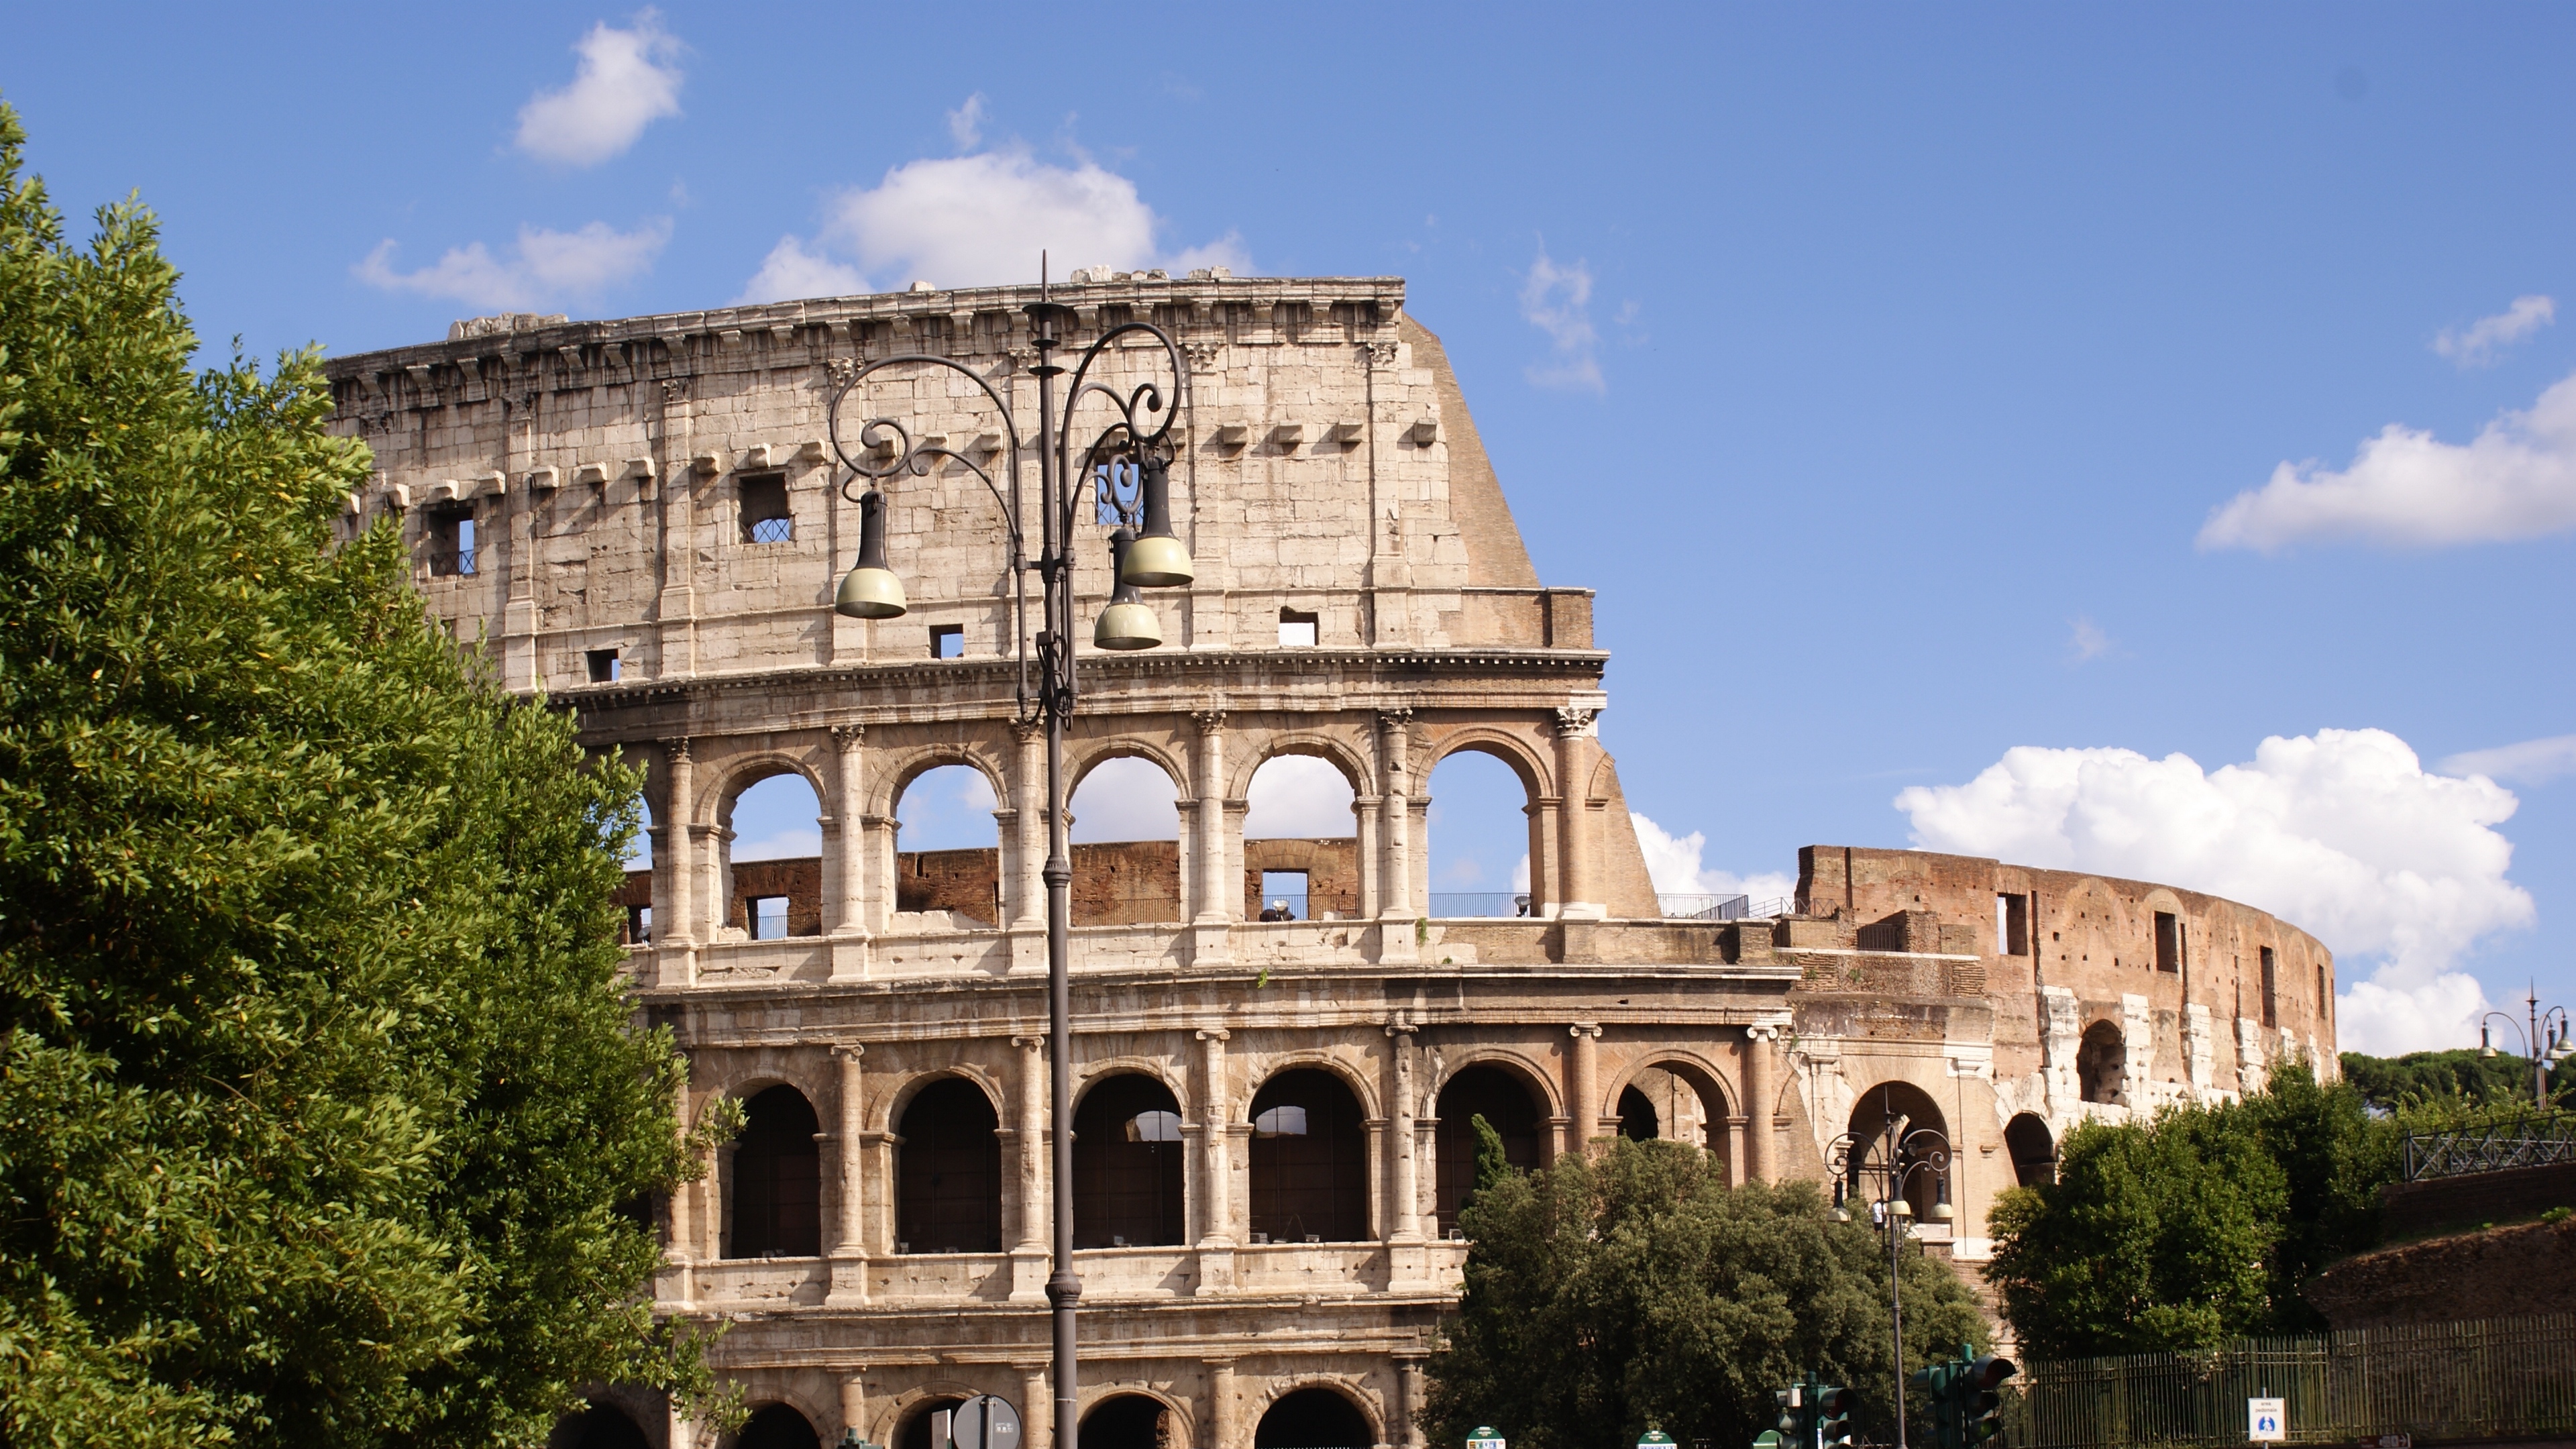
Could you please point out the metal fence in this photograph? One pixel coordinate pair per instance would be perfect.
(2490, 1378)
(2526, 1139)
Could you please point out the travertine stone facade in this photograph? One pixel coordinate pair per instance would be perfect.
(619, 488)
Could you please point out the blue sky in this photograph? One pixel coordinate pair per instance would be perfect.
(1887, 368)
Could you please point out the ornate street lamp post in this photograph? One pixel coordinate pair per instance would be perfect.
(2545, 1041)
(1139, 438)
(1889, 1160)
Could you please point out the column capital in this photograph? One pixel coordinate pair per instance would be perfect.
(846, 737)
(1026, 731)
(1212, 1033)
(1028, 1043)
(1583, 1028)
(849, 1052)
(1209, 721)
(1574, 722)
(1394, 719)
(676, 749)
(1401, 1029)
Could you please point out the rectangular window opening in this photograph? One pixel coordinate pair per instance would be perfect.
(2325, 989)
(764, 509)
(639, 925)
(451, 541)
(1296, 630)
(2168, 941)
(603, 666)
(2271, 989)
(1283, 895)
(767, 917)
(2012, 924)
(947, 641)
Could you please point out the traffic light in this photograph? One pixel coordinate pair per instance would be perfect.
(1981, 1399)
(1937, 1381)
(1832, 1408)
(1797, 1421)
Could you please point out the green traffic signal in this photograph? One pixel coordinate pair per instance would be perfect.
(1981, 1400)
(1832, 1406)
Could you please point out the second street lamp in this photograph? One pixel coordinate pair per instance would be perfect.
(1138, 437)
(1892, 1158)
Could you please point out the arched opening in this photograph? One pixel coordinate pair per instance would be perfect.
(2102, 1065)
(775, 1184)
(1130, 1421)
(1672, 1103)
(948, 849)
(1475, 833)
(1313, 1418)
(1309, 1160)
(768, 858)
(1637, 1120)
(1915, 1156)
(2034, 1152)
(777, 1426)
(1126, 834)
(1127, 1165)
(921, 1418)
(950, 1170)
(1504, 1101)
(1300, 851)
(601, 1426)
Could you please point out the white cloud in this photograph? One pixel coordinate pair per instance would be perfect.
(2342, 833)
(2087, 641)
(1125, 799)
(1298, 797)
(966, 123)
(2517, 479)
(1558, 300)
(981, 220)
(2532, 762)
(626, 81)
(545, 265)
(1674, 865)
(2478, 346)
(792, 270)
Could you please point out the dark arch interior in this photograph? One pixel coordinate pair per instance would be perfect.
(2034, 1154)
(1314, 1418)
(777, 1192)
(1309, 1160)
(1870, 1116)
(776, 1426)
(915, 1433)
(601, 1426)
(1127, 1165)
(1637, 1120)
(950, 1168)
(1502, 1100)
(2102, 1064)
(1124, 1421)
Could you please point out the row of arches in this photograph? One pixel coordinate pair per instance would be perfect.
(1312, 1417)
(1307, 1158)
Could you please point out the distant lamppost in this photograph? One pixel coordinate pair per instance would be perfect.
(1889, 1160)
(1139, 438)
(2546, 1040)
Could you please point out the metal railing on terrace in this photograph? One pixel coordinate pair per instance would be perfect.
(2525, 1139)
(2489, 1378)
(1452, 905)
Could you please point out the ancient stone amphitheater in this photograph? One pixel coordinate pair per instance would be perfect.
(639, 517)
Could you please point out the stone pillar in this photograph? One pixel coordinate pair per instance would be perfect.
(849, 1252)
(1029, 799)
(1037, 1407)
(876, 873)
(1219, 1417)
(681, 1431)
(1215, 894)
(675, 643)
(684, 1221)
(676, 924)
(1396, 906)
(707, 847)
(1364, 808)
(1216, 1220)
(1582, 1086)
(1405, 1432)
(1576, 870)
(841, 863)
(854, 1402)
(1735, 1136)
(1402, 1226)
(1758, 1040)
(1028, 1176)
(1541, 811)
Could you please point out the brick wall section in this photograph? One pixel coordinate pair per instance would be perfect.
(1332, 874)
(2408, 1209)
(2467, 1276)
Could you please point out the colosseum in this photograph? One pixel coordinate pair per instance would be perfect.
(642, 520)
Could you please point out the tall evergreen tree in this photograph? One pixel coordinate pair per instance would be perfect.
(319, 1096)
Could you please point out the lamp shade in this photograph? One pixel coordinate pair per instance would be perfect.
(870, 590)
(1157, 559)
(1127, 623)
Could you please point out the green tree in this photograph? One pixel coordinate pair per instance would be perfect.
(319, 1096)
(2474, 1080)
(1607, 1295)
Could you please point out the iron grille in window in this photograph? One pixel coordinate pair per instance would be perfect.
(451, 542)
(765, 518)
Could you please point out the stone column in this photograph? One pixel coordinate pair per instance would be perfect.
(684, 1221)
(1582, 1086)
(1216, 895)
(854, 1402)
(1408, 1402)
(1216, 1220)
(849, 1252)
(1028, 1175)
(1396, 906)
(707, 846)
(1543, 889)
(1029, 799)
(1219, 1417)
(1364, 808)
(1402, 1226)
(1576, 871)
(1758, 1133)
(1037, 1407)
(842, 860)
(676, 924)
(1735, 1135)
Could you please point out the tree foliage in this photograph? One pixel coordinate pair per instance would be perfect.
(2465, 1076)
(2200, 1226)
(318, 1094)
(1608, 1295)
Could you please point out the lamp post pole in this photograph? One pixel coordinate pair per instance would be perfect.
(1891, 1158)
(1137, 443)
(2544, 1026)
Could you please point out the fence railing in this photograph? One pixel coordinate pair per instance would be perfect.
(2489, 1378)
(1447, 905)
(1702, 908)
(2525, 1139)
